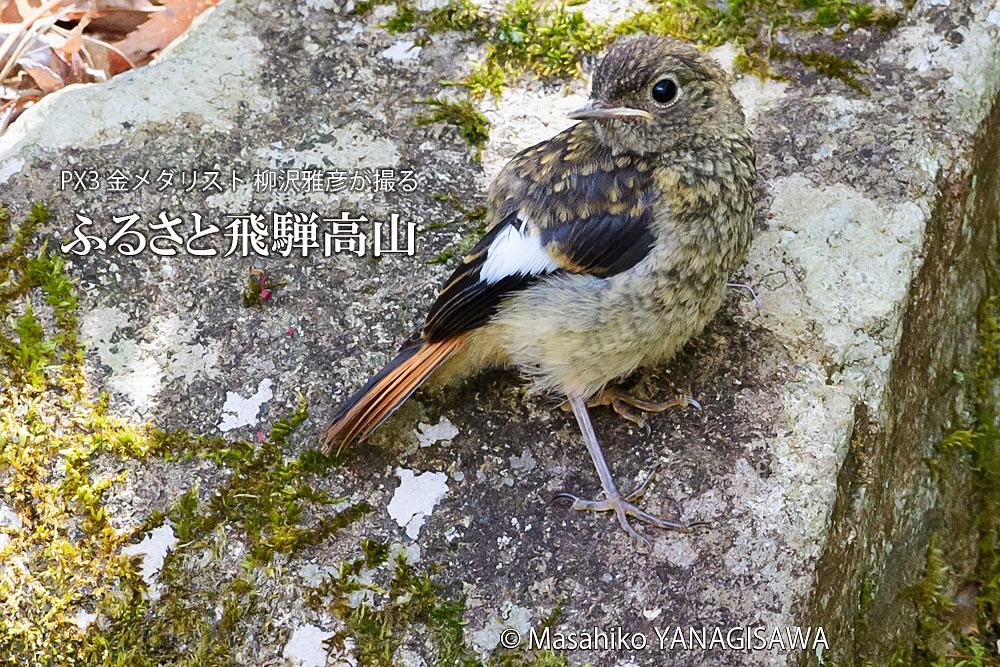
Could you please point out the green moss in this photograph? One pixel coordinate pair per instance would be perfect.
(484, 79)
(464, 245)
(475, 216)
(27, 352)
(861, 616)
(472, 125)
(362, 7)
(754, 63)
(265, 495)
(984, 446)
(262, 503)
(68, 558)
(864, 16)
(411, 606)
(930, 598)
(402, 21)
(67, 553)
(186, 626)
(968, 651)
(828, 64)
(406, 16)
(459, 15)
(30, 353)
(62, 454)
(550, 41)
(750, 24)
(980, 444)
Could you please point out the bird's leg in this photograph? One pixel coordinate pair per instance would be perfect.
(756, 300)
(613, 500)
(622, 402)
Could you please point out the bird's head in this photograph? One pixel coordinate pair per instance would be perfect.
(657, 94)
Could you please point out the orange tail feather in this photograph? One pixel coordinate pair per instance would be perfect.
(386, 391)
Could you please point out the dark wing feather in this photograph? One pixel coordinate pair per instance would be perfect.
(592, 213)
(466, 302)
(603, 245)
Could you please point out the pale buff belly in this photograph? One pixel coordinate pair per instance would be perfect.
(573, 334)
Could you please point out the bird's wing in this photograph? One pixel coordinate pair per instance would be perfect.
(595, 220)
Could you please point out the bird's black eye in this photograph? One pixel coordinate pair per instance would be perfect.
(664, 91)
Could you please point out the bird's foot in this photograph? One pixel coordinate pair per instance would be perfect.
(623, 403)
(749, 289)
(623, 508)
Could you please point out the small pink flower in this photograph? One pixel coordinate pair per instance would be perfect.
(289, 332)
(265, 294)
(260, 436)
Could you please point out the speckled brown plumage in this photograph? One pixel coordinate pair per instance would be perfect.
(609, 244)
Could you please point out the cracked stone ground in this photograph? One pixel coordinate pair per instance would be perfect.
(161, 499)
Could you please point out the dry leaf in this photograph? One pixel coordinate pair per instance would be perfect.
(37, 56)
(40, 61)
(24, 7)
(46, 58)
(29, 24)
(43, 75)
(116, 24)
(8, 12)
(163, 28)
(14, 108)
(98, 6)
(113, 19)
(104, 58)
(20, 43)
(74, 40)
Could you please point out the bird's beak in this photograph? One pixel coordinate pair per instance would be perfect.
(596, 110)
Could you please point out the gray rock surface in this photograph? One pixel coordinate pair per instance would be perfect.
(876, 216)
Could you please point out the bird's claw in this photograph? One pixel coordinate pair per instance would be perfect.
(623, 508)
(622, 402)
(690, 400)
(749, 289)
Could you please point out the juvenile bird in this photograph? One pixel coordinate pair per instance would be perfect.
(609, 246)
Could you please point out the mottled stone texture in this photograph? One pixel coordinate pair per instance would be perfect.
(888, 503)
(876, 221)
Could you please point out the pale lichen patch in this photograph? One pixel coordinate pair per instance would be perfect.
(973, 70)
(145, 359)
(352, 147)
(525, 116)
(239, 411)
(83, 619)
(846, 262)
(429, 434)
(523, 463)
(402, 51)
(9, 168)
(756, 95)
(415, 498)
(510, 616)
(9, 520)
(153, 550)
(305, 647)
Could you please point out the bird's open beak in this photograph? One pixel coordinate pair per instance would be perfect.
(595, 109)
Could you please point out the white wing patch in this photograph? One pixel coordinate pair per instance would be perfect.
(514, 251)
